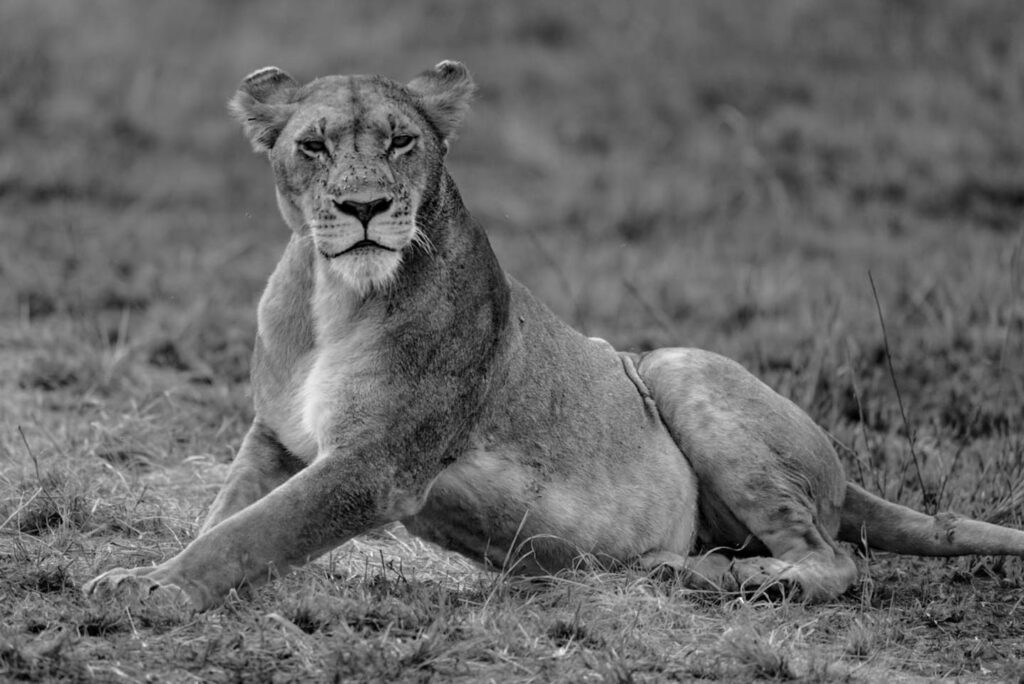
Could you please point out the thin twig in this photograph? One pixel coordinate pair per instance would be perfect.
(899, 398)
(32, 455)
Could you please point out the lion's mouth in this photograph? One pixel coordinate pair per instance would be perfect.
(362, 244)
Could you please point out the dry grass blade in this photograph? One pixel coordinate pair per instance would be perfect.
(929, 501)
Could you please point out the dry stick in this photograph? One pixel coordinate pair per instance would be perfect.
(899, 397)
(32, 455)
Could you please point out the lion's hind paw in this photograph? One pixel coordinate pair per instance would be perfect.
(765, 579)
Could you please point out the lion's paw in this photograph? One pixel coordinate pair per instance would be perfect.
(136, 587)
(765, 578)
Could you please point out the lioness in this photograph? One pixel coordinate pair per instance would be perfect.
(400, 374)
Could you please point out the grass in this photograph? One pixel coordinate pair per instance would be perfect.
(714, 174)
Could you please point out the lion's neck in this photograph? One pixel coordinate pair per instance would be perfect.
(430, 349)
(337, 307)
(445, 295)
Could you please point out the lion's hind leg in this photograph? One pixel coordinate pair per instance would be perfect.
(805, 560)
(769, 481)
(812, 577)
(809, 568)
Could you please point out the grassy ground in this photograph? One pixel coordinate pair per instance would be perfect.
(716, 174)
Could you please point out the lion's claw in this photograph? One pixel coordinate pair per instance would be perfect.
(135, 588)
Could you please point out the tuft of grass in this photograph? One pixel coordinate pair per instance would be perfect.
(861, 639)
(755, 655)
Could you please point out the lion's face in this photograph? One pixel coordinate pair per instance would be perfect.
(354, 158)
(352, 165)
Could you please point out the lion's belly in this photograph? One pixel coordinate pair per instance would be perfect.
(572, 456)
(493, 506)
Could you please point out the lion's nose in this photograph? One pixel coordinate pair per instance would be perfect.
(364, 211)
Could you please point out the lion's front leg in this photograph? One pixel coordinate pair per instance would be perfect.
(703, 572)
(319, 508)
(261, 465)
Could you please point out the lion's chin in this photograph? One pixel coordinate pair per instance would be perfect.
(362, 245)
(365, 268)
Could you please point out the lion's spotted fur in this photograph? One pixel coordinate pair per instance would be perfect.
(400, 374)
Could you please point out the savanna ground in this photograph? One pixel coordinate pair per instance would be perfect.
(715, 174)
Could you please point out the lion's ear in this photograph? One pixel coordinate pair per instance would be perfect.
(444, 92)
(262, 105)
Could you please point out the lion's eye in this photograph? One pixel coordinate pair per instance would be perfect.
(400, 142)
(312, 147)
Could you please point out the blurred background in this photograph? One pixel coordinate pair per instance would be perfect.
(714, 174)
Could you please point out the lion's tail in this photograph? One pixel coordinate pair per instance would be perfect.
(891, 527)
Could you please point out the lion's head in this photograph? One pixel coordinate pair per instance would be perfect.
(355, 159)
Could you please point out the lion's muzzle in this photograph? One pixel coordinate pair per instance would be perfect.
(362, 244)
(364, 211)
